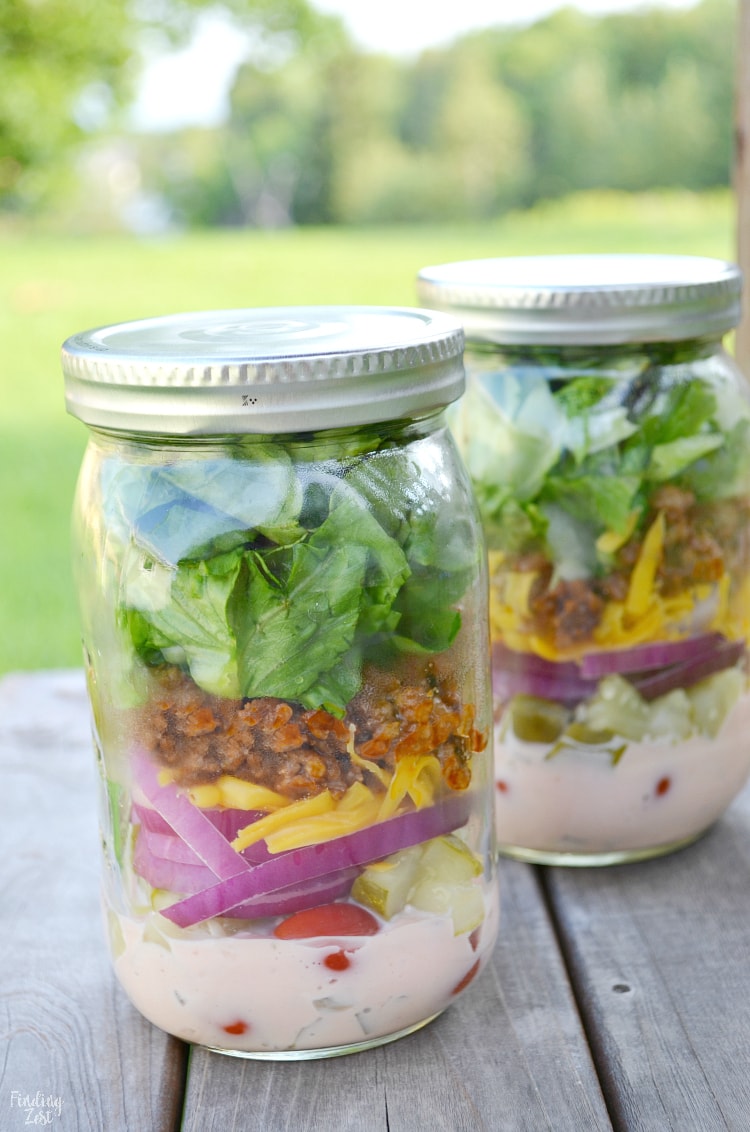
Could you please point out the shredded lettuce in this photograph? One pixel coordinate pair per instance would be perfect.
(270, 576)
(591, 450)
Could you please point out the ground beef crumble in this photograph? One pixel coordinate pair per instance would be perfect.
(299, 752)
(701, 544)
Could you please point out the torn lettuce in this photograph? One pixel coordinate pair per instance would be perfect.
(594, 448)
(263, 576)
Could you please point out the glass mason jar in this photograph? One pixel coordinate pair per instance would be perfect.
(607, 434)
(283, 595)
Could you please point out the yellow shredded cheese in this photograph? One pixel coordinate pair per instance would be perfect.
(260, 829)
(611, 541)
(236, 793)
(641, 587)
(205, 796)
(518, 586)
(415, 776)
(357, 809)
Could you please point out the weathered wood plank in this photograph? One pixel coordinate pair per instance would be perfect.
(659, 958)
(509, 1054)
(68, 1035)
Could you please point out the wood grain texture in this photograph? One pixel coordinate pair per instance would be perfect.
(508, 1055)
(660, 959)
(67, 1032)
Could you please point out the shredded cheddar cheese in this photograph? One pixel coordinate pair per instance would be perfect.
(357, 809)
(610, 541)
(641, 586)
(415, 776)
(306, 808)
(518, 587)
(236, 794)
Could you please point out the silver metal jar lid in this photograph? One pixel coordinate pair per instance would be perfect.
(586, 299)
(264, 370)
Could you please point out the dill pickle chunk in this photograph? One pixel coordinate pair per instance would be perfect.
(444, 883)
(537, 721)
(384, 886)
(437, 876)
(580, 732)
(449, 858)
(463, 902)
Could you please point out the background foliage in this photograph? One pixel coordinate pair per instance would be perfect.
(320, 132)
(53, 286)
(500, 120)
(337, 175)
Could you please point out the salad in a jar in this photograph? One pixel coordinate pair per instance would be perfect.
(614, 486)
(297, 768)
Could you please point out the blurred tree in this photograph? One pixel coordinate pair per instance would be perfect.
(320, 132)
(633, 101)
(437, 140)
(67, 65)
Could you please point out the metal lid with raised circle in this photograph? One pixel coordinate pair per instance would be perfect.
(264, 370)
(586, 299)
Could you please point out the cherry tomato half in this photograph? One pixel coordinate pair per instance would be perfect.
(327, 919)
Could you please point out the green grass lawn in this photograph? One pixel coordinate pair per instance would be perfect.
(52, 287)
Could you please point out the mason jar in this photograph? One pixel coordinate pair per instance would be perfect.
(283, 595)
(607, 433)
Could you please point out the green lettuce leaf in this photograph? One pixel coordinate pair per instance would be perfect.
(188, 624)
(296, 628)
(180, 509)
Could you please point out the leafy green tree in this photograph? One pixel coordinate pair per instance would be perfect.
(68, 65)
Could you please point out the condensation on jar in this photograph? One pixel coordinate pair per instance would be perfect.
(283, 597)
(607, 433)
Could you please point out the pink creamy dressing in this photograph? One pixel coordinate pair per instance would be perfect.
(259, 994)
(659, 793)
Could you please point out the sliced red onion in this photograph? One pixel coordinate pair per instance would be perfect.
(177, 876)
(298, 896)
(228, 822)
(166, 872)
(172, 847)
(684, 675)
(510, 660)
(655, 654)
(564, 688)
(326, 859)
(148, 818)
(524, 673)
(188, 821)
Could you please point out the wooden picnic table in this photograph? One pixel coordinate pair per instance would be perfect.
(616, 998)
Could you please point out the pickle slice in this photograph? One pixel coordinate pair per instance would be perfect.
(537, 721)
(464, 902)
(435, 877)
(384, 886)
(444, 883)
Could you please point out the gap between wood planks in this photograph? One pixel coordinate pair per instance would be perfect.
(542, 875)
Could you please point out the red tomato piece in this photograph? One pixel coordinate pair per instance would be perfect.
(327, 919)
(236, 1028)
(466, 979)
(337, 961)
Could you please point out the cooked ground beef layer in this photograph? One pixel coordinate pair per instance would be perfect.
(298, 752)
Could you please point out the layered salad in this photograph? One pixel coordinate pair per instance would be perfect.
(614, 488)
(293, 720)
